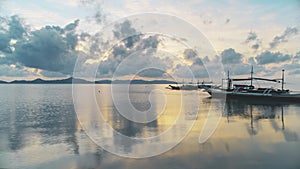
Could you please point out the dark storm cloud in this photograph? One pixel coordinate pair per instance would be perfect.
(70, 35)
(50, 48)
(12, 28)
(270, 57)
(284, 37)
(230, 56)
(4, 43)
(16, 27)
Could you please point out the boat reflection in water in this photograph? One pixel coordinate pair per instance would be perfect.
(256, 111)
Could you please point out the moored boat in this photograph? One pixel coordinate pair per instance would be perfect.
(239, 91)
(184, 87)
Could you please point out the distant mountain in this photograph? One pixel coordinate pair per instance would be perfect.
(41, 81)
(135, 82)
(82, 81)
(2, 82)
(103, 82)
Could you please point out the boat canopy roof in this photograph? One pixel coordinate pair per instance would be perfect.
(255, 78)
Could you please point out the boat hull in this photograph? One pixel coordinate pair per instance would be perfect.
(256, 96)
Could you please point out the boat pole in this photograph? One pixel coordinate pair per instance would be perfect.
(251, 75)
(228, 81)
(282, 80)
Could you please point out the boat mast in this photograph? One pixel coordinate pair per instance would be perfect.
(228, 81)
(282, 80)
(251, 75)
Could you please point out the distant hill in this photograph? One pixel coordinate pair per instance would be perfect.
(143, 82)
(41, 81)
(82, 81)
(2, 82)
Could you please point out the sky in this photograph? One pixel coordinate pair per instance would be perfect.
(53, 39)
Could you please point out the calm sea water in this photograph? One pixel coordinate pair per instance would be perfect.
(39, 129)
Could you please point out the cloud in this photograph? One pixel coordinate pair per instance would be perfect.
(294, 72)
(12, 28)
(1, 3)
(242, 69)
(15, 71)
(152, 73)
(284, 37)
(297, 55)
(252, 36)
(191, 55)
(251, 61)
(133, 52)
(54, 49)
(51, 74)
(255, 46)
(269, 57)
(4, 43)
(16, 27)
(193, 71)
(253, 40)
(145, 63)
(98, 16)
(50, 48)
(124, 30)
(230, 56)
(131, 62)
(227, 21)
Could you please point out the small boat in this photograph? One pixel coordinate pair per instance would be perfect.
(193, 86)
(184, 87)
(239, 91)
(174, 87)
(205, 85)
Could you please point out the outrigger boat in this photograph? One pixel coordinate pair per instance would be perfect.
(238, 91)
